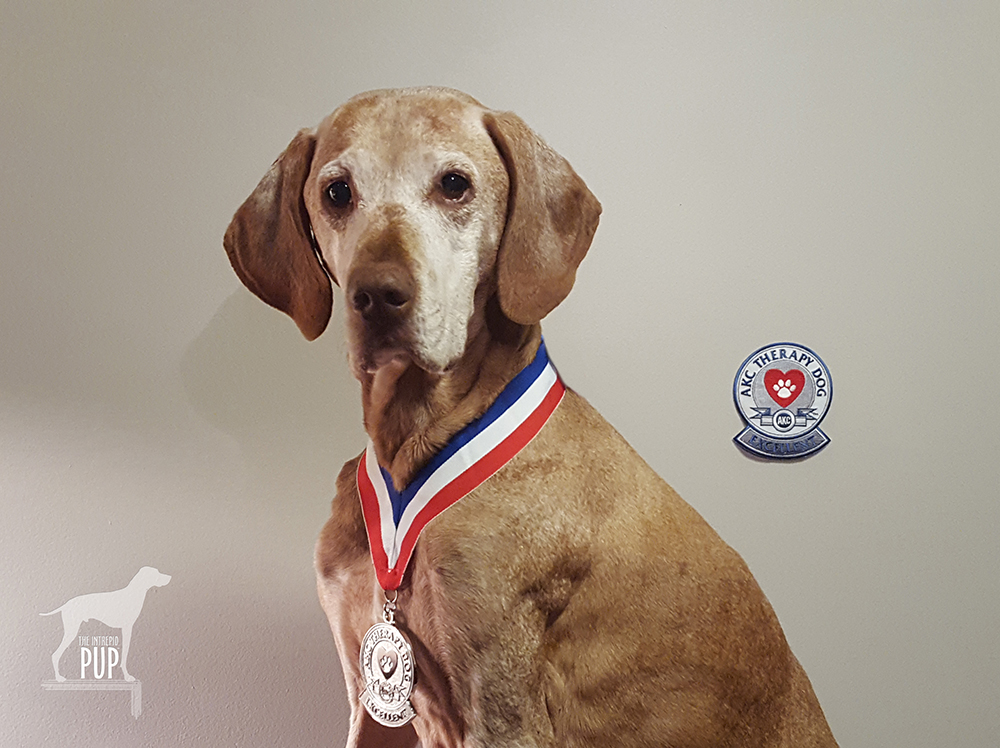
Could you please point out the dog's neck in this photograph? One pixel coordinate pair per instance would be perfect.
(411, 414)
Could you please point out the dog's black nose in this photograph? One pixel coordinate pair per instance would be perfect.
(381, 292)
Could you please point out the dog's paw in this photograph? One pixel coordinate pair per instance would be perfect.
(784, 388)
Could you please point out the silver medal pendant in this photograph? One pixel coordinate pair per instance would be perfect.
(388, 670)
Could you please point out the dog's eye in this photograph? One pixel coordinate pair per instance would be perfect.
(454, 185)
(339, 193)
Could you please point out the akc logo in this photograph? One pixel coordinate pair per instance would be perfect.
(782, 391)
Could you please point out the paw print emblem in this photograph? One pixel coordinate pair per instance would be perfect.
(784, 388)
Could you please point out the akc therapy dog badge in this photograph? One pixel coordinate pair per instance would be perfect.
(783, 391)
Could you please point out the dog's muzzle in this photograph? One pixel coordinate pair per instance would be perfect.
(383, 294)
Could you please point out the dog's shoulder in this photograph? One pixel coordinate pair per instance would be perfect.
(343, 539)
(581, 473)
(593, 462)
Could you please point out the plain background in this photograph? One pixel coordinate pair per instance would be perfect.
(820, 172)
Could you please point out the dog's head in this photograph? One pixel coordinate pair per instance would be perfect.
(148, 577)
(421, 204)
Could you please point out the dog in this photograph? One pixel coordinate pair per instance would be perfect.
(571, 599)
(118, 609)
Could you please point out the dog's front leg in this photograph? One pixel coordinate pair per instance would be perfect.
(505, 683)
(509, 713)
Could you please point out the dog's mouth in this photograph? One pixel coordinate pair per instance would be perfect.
(375, 344)
(386, 357)
(368, 358)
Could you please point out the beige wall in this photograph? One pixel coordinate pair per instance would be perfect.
(769, 171)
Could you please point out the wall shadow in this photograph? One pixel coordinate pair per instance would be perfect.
(291, 405)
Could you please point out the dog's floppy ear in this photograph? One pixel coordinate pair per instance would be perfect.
(551, 220)
(269, 242)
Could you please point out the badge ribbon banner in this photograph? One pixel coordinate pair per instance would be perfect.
(766, 447)
(802, 416)
(395, 519)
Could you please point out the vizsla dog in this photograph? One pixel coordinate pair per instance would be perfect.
(571, 599)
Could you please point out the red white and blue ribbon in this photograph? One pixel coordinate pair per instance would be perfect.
(395, 519)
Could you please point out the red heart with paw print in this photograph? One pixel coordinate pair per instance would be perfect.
(784, 386)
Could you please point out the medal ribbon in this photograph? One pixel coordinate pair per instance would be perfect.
(395, 519)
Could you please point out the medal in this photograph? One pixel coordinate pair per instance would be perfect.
(388, 671)
(394, 519)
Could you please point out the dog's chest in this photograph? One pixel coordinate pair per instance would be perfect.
(503, 544)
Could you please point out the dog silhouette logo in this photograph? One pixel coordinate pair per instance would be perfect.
(118, 609)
